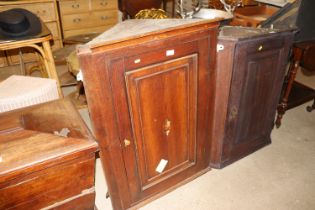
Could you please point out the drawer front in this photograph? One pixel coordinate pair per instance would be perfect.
(79, 21)
(101, 18)
(104, 4)
(100, 29)
(76, 21)
(48, 186)
(46, 11)
(53, 27)
(74, 6)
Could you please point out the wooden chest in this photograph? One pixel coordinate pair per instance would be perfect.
(40, 170)
(251, 65)
(150, 93)
(87, 16)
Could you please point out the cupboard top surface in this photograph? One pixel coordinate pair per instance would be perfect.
(138, 28)
(240, 33)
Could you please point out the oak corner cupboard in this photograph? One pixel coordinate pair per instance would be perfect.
(150, 94)
(251, 65)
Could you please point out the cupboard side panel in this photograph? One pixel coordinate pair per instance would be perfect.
(98, 89)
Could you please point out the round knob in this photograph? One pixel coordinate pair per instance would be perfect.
(75, 6)
(104, 3)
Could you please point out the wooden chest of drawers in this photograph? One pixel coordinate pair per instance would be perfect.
(87, 16)
(40, 170)
(47, 11)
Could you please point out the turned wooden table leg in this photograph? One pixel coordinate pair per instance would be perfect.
(294, 66)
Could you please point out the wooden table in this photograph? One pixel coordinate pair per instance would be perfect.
(295, 93)
(42, 46)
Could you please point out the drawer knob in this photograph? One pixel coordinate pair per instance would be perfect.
(77, 20)
(104, 17)
(104, 3)
(260, 48)
(40, 12)
(75, 6)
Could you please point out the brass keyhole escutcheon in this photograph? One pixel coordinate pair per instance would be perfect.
(260, 48)
(167, 127)
(233, 113)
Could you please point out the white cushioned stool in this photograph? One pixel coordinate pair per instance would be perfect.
(22, 91)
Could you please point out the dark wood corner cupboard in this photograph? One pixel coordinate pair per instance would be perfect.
(250, 72)
(150, 93)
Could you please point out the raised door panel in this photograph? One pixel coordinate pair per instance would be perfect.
(163, 102)
(255, 89)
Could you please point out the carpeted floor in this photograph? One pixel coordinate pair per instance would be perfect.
(280, 176)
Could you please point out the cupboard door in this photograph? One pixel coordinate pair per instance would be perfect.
(163, 106)
(256, 84)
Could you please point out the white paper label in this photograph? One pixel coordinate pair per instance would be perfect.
(160, 168)
(63, 133)
(80, 76)
(220, 47)
(170, 52)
